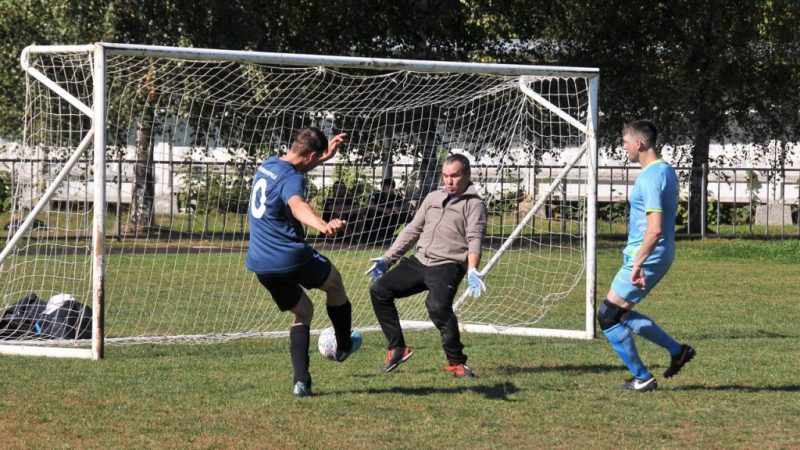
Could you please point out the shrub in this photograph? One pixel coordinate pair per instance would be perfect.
(5, 191)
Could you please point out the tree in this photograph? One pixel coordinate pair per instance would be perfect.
(422, 29)
(143, 192)
(175, 22)
(411, 29)
(678, 62)
(702, 70)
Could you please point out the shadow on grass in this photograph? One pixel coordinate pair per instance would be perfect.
(499, 391)
(566, 368)
(739, 388)
(757, 334)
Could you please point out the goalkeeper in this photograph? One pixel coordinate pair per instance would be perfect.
(284, 262)
(446, 232)
(646, 259)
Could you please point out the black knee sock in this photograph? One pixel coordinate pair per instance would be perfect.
(342, 320)
(298, 349)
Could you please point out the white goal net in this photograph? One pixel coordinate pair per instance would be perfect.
(133, 180)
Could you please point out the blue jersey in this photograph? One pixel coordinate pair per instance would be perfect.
(655, 190)
(277, 239)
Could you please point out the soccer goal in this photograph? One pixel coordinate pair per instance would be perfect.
(131, 189)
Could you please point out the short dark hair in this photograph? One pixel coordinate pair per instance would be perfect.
(309, 140)
(458, 157)
(645, 129)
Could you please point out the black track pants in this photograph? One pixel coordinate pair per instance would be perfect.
(410, 277)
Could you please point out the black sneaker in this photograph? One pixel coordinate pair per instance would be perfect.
(302, 389)
(686, 354)
(341, 355)
(395, 357)
(637, 385)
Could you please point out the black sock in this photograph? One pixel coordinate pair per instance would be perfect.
(298, 349)
(342, 319)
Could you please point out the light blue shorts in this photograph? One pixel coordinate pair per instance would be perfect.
(655, 267)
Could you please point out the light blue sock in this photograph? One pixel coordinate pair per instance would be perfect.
(622, 343)
(646, 328)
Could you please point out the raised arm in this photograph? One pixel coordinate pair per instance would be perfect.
(333, 147)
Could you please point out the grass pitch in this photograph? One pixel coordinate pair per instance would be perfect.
(736, 302)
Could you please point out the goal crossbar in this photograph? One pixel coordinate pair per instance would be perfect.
(295, 59)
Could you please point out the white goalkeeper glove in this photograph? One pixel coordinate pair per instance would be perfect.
(476, 285)
(379, 267)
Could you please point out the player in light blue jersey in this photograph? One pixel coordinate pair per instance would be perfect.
(282, 260)
(647, 257)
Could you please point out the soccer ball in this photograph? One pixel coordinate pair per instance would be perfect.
(327, 343)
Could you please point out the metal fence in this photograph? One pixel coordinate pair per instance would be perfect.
(736, 202)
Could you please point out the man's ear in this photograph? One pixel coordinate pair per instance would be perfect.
(310, 158)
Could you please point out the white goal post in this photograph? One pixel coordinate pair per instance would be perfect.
(132, 183)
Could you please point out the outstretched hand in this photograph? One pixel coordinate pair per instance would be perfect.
(333, 146)
(334, 226)
(379, 267)
(476, 284)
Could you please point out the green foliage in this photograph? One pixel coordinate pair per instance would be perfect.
(5, 191)
(616, 211)
(507, 194)
(227, 192)
(565, 210)
(505, 202)
(678, 63)
(358, 186)
(728, 213)
(212, 187)
(682, 215)
(421, 29)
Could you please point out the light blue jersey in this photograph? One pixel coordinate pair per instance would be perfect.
(655, 190)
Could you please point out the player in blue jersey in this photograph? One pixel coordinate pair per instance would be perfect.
(282, 260)
(646, 259)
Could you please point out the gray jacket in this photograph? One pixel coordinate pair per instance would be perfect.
(443, 232)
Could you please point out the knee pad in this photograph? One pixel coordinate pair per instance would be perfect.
(609, 314)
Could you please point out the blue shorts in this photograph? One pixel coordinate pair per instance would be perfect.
(285, 287)
(655, 267)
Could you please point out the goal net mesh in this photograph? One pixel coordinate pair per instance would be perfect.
(184, 138)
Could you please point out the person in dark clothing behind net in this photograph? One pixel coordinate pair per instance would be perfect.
(386, 211)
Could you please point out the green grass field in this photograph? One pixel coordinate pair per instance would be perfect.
(736, 302)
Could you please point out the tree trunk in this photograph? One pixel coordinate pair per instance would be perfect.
(700, 150)
(429, 170)
(140, 217)
(708, 117)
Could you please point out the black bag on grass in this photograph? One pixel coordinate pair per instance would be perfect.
(65, 318)
(22, 319)
(60, 318)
